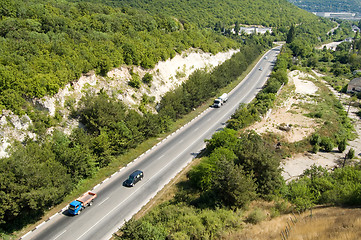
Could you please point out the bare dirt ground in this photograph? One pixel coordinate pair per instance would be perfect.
(289, 114)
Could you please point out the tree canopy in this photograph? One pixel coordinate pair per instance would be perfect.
(47, 44)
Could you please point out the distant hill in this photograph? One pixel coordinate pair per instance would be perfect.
(329, 5)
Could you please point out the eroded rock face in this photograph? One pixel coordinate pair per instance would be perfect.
(167, 75)
(19, 123)
(13, 127)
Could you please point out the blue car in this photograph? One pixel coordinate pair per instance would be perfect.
(135, 177)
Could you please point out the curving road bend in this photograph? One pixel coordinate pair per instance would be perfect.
(116, 204)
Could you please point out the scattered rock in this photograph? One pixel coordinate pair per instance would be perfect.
(285, 127)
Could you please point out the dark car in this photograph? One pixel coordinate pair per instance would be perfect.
(135, 177)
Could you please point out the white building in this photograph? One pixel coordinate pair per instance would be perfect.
(254, 30)
(341, 15)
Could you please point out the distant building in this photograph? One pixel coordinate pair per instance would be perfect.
(341, 15)
(354, 85)
(355, 28)
(254, 30)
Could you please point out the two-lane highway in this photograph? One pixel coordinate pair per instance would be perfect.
(116, 204)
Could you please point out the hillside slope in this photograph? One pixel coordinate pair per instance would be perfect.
(207, 13)
(49, 43)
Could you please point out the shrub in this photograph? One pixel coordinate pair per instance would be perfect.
(318, 115)
(341, 145)
(282, 206)
(327, 144)
(135, 82)
(256, 216)
(315, 148)
(315, 139)
(147, 78)
(351, 153)
(274, 213)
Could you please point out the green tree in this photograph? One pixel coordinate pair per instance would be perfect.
(226, 138)
(341, 145)
(351, 153)
(232, 185)
(291, 34)
(31, 181)
(78, 159)
(135, 81)
(301, 194)
(236, 27)
(202, 175)
(327, 144)
(139, 230)
(258, 157)
(147, 78)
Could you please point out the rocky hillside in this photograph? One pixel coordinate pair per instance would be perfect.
(167, 75)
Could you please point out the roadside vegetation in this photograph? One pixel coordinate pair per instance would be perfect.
(111, 130)
(47, 44)
(241, 167)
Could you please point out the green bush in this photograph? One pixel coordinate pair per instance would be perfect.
(179, 221)
(147, 78)
(301, 194)
(256, 216)
(315, 148)
(282, 206)
(139, 230)
(351, 153)
(341, 145)
(274, 212)
(318, 186)
(327, 144)
(135, 81)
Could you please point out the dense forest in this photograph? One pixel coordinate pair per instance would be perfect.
(274, 13)
(353, 6)
(48, 43)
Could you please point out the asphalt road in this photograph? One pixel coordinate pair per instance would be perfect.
(116, 204)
